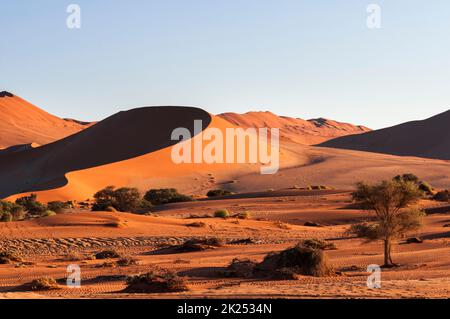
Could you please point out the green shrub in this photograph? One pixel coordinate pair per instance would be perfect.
(244, 215)
(165, 196)
(123, 199)
(218, 192)
(6, 217)
(222, 213)
(48, 213)
(426, 188)
(58, 206)
(31, 205)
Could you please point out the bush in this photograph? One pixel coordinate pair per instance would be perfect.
(123, 199)
(218, 192)
(7, 257)
(44, 283)
(240, 268)
(197, 224)
(222, 213)
(244, 215)
(6, 217)
(127, 261)
(201, 244)
(426, 188)
(165, 196)
(58, 206)
(442, 196)
(48, 213)
(156, 281)
(107, 254)
(300, 259)
(365, 230)
(318, 244)
(407, 178)
(31, 205)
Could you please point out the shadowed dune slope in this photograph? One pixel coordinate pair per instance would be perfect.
(306, 132)
(120, 137)
(24, 123)
(429, 138)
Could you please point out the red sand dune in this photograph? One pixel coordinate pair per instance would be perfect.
(133, 149)
(429, 138)
(306, 132)
(24, 123)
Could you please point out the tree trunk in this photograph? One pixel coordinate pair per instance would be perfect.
(387, 253)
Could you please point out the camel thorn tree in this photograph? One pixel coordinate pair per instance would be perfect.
(390, 202)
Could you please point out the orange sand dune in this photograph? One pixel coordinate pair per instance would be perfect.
(429, 138)
(308, 132)
(24, 123)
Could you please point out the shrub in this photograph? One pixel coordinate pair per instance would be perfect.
(106, 254)
(407, 178)
(244, 215)
(442, 196)
(123, 199)
(197, 224)
(58, 206)
(364, 230)
(48, 213)
(127, 261)
(318, 244)
(7, 257)
(6, 217)
(218, 192)
(31, 205)
(300, 259)
(156, 281)
(240, 268)
(426, 188)
(222, 213)
(44, 283)
(201, 244)
(165, 196)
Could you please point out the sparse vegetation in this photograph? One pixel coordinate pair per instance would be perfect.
(48, 213)
(127, 261)
(165, 196)
(244, 215)
(423, 186)
(200, 244)
(107, 254)
(124, 199)
(222, 213)
(58, 206)
(45, 283)
(218, 193)
(389, 200)
(299, 260)
(156, 281)
(7, 257)
(442, 196)
(318, 244)
(240, 268)
(197, 224)
(31, 205)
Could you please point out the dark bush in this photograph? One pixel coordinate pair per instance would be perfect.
(318, 244)
(156, 281)
(240, 268)
(442, 196)
(107, 254)
(222, 213)
(31, 205)
(300, 259)
(165, 196)
(58, 206)
(44, 283)
(123, 199)
(200, 244)
(6, 217)
(365, 230)
(218, 192)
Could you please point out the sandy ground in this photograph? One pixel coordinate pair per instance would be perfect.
(276, 223)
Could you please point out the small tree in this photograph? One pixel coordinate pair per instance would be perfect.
(31, 205)
(389, 201)
(125, 199)
(165, 196)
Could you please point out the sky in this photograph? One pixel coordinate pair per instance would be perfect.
(299, 58)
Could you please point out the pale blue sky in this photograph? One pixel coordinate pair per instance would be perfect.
(301, 58)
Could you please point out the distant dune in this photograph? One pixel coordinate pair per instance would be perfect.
(429, 138)
(306, 132)
(23, 123)
(133, 148)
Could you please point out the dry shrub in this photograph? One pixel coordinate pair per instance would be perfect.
(6, 257)
(282, 225)
(240, 268)
(127, 261)
(73, 256)
(156, 281)
(318, 244)
(106, 254)
(200, 244)
(45, 283)
(197, 224)
(300, 259)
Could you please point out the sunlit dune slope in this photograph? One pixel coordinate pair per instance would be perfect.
(23, 123)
